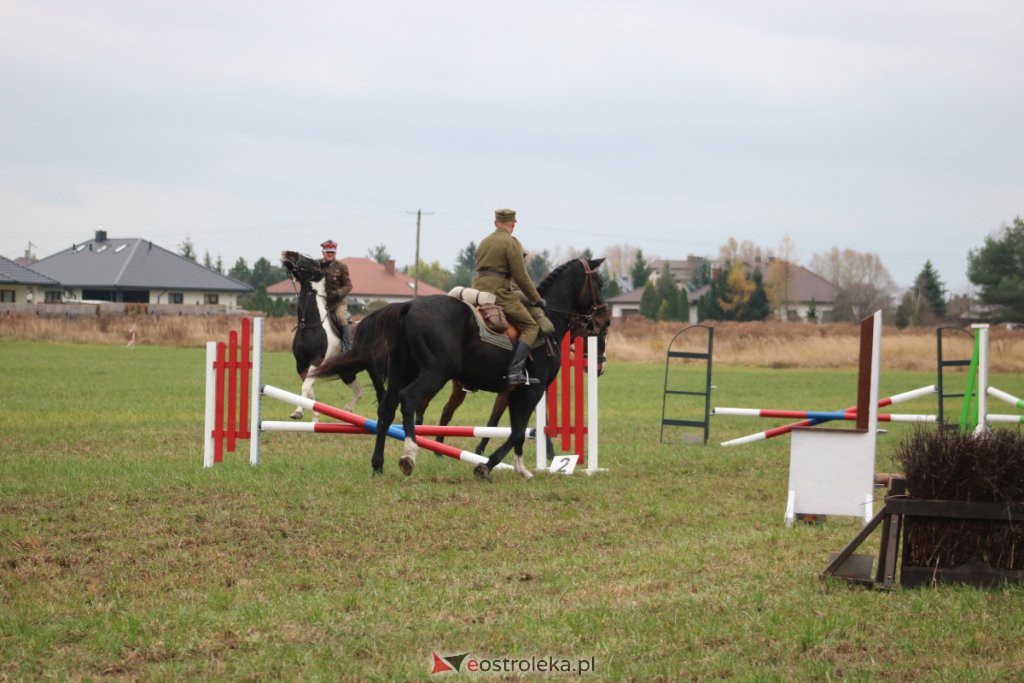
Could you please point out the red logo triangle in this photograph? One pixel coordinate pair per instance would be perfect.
(440, 665)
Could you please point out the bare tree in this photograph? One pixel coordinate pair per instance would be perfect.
(864, 283)
(619, 259)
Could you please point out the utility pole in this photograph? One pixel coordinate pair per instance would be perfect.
(416, 265)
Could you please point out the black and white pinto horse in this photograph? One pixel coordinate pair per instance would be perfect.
(315, 338)
(435, 339)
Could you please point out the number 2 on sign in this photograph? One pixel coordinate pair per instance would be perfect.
(564, 464)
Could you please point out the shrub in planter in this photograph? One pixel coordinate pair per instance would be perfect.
(948, 465)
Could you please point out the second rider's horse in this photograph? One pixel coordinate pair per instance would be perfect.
(315, 337)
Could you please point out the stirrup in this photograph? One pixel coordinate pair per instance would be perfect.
(513, 380)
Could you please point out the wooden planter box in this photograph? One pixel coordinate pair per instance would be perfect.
(900, 515)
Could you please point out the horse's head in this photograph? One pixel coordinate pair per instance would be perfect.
(591, 316)
(301, 267)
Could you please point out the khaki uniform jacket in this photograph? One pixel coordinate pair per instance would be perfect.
(337, 284)
(502, 253)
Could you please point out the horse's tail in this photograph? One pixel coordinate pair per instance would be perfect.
(372, 341)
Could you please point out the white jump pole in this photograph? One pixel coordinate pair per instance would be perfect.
(256, 390)
(592, 408)
(211, 401)
(982, 389)
(541, 413)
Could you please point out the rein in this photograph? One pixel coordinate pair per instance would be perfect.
(582, 323)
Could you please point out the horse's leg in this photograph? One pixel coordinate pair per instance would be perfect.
(307, 391)
(520, 406)
(426, 384)
(385, 416)
(454, 401)
(497, 410)
(357, 391)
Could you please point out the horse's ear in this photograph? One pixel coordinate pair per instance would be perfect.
(595, 263)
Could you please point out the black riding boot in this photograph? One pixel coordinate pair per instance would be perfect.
(346, 338)
(516, 372)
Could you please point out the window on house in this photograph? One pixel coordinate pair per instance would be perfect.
(51, 296)
(211, 298)
(7, 296)
(175, 298)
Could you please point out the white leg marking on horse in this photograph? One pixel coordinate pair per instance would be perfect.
(408, 459)
(307, 392)
(357, 393)
(519, 467)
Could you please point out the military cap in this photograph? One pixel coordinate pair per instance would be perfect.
(329, 245)
(505, 215)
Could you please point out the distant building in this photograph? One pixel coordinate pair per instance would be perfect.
(22, 285)
(682, 270)
(802, 291)
(627, 304)
(371, 281)
(137, 271)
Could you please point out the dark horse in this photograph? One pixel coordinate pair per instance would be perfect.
(315, 337)
(435, 339)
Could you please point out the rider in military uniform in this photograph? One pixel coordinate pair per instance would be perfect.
(499, 264)
(337, 285)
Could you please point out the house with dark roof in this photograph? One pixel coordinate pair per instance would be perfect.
(800, 291)
(22, 285)
(628, 303)
(139, 272)
(371, 281)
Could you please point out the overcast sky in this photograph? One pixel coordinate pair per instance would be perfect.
(250, 127)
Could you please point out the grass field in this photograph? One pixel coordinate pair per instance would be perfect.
(121, 557)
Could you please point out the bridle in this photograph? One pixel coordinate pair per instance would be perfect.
(585, 324)
(296, 273)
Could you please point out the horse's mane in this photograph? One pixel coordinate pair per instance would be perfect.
(557, 273)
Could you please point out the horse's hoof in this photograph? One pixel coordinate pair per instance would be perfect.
(527, 475)
(378, 472)
(482, 471)
(406, 464)
(297, 415)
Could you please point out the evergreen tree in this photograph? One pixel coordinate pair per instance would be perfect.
(757, 306)
(668, 292)
(609, 287)
(997, 269)
(207, 260)
(240, 271)
(641, 270)
(663, 311)
(932, 291)
(905, 311)
(684, 305)
(538, 266)
(649, 302)
(219, 265)
(264, 274)
(465, 263)
(709, 307)
(701, 275)
(187, 249)
(812, 311)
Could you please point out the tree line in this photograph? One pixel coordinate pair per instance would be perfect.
(746, 282)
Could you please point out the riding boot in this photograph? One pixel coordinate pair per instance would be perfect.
(346, 338)
(335, 323)
(516, 372)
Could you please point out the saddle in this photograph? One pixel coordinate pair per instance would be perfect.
(494, 327)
